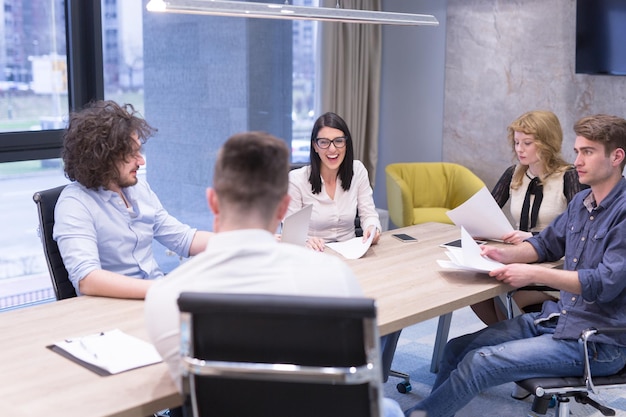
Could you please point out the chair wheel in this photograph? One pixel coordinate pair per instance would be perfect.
(404, 387)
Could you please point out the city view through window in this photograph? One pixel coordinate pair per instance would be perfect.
(33, 97)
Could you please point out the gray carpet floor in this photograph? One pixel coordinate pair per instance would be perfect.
(413, 356)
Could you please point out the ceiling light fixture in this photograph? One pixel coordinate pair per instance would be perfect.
(289, 12)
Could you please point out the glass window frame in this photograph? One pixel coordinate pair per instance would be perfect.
(85, 82)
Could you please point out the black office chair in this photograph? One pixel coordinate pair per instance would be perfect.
(564, 388)
(577, 387)
(46, 201)
(278, 355)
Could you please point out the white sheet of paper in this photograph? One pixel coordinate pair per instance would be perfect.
(468, 257)
(481, 216)
(114, 350)
(353, 248)
(296, 226)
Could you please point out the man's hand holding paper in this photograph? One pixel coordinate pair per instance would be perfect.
(518, 274)
(469, 256)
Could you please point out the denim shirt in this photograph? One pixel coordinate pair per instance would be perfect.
(593, 240)
(95, 230)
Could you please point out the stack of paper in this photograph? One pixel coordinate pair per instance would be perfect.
(108, 352)
(468, 256)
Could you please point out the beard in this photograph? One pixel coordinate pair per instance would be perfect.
(127, 181)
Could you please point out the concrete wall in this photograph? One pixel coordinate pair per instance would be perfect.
(498, 59)
(504, 58)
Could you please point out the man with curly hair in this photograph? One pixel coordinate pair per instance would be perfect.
(107, 219)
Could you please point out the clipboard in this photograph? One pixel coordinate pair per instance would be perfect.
(107, 353)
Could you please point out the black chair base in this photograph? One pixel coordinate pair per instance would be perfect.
(569, 387)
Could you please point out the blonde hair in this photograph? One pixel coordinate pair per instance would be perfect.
(546, 131)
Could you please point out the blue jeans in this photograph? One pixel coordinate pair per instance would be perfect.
(509, 351)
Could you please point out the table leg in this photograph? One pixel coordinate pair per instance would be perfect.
(443, 328)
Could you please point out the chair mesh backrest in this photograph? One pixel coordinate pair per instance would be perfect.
(309, 331)
(46, 201)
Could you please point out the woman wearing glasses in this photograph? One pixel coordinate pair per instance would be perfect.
(335, 184)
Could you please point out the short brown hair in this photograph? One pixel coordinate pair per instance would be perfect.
(97, 138)
(252, 172)
(605, 129)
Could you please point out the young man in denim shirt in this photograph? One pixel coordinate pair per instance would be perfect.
(590, 237)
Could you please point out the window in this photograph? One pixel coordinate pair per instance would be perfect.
(33, 80)
(33, 100)
(198, 79)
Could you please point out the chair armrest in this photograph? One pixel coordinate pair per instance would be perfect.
(509, 296)
(352, 375)
(584, 336)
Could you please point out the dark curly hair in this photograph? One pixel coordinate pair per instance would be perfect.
(346, 169)
(97, 138)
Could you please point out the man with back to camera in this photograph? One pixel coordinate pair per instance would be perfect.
(249, 199)
(590, 235)
(107, 218)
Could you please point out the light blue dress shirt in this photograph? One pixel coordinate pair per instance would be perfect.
(95, 230)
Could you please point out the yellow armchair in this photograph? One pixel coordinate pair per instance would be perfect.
(420, 192)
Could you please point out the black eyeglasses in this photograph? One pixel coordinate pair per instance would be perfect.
(324, 143)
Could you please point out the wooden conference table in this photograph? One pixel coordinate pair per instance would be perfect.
(408, 284)
(404, 278)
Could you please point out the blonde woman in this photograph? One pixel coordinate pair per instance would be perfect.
(539, 186)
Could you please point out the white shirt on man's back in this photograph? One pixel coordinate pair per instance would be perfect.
(245, 261)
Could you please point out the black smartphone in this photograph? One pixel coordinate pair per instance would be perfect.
(457, 243)
(403, 237)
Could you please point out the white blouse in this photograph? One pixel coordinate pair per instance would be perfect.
(333, 219)
(553, 203)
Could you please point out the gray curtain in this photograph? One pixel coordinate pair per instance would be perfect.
(349, 84)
